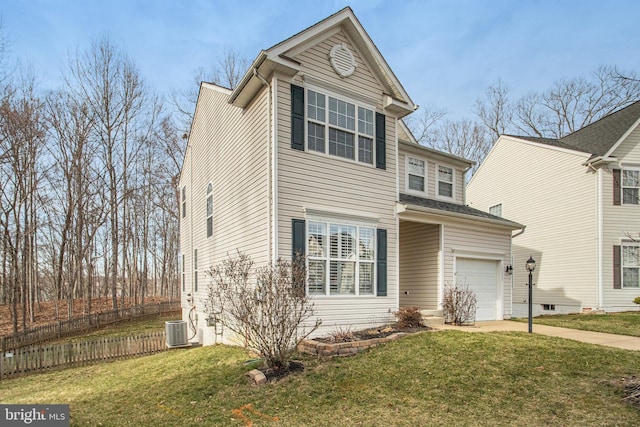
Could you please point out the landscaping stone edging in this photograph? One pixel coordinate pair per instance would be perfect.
(343, 348)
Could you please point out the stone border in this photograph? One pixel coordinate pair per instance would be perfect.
(344, 348)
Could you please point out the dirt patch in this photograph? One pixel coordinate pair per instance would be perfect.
(276, 374)
(631, 390)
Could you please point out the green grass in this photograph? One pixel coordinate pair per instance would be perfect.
(434, 378)
(625, 323)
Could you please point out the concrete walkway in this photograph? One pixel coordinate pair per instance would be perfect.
(610, 340)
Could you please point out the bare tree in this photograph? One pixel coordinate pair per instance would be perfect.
(425, 125)
(227, 72)
(495, 110)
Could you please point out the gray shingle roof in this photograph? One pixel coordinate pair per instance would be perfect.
(598, 137)
(454, 208)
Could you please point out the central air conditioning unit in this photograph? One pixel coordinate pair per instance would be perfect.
(176, 332)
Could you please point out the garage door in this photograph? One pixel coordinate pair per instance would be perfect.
(481, 276)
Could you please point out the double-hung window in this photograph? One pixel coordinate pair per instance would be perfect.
(630, 266)
(341, 259)
(496, 210)
(339, 128)
(630, 186)
(184, 201)
(416, 174)
(445, 181)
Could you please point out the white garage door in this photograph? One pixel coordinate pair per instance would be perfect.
(481, 276)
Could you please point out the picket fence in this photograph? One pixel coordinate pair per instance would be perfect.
(27, 360)
(76, 325)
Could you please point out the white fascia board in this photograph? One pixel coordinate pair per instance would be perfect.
(622, 138)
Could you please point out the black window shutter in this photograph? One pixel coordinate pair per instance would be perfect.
(298, 239)
(381, 142)
(382, 262)
(297, 117)
(616, 187)
(617, 268)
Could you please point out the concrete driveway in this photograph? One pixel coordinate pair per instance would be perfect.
(610, 340)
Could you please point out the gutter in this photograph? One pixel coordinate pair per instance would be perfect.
(262, 56)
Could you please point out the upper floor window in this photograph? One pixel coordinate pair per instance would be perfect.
(184, 201)
(341, 259)
(496, 210)
(339, 128)
(209, 210)
(630, 266)
(630, 186)
(195, 270)
(416, 174)
(445, 181)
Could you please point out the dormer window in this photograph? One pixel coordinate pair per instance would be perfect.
(416, 174)
(445, 182)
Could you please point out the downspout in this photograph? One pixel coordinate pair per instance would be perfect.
(519, 233)
(600, 228)
(270, 203)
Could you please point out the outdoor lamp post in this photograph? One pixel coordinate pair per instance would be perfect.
(531, 265)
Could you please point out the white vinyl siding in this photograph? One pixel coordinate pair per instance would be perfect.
(554, 230)
(419, 265)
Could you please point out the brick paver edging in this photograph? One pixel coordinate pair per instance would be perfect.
(344, 348)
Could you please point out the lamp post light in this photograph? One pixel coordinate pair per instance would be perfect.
(531, 265)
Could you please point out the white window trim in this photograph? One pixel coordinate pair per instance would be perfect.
(437, 182)
(622, 187)
(327, 258)
(406, 175)
(356, 133)
(623, 244)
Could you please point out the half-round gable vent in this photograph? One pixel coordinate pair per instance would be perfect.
(342, 60)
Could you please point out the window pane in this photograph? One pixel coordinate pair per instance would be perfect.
(343, 238)
(366, 278)
(445, 189)
(416, 183)
(317, 242)
(365, 121)
(341, 144)
(342, 114)
(210, 226)
(343, 278)
(315, 106)
(209, 205)
(416, 166)
(630, 196)
(496, 210)
(630, 256)
(317, 277)
(445, 174)
(366, 243)
(316, 137)
(365, 150)
(630, 178)
(630, 278)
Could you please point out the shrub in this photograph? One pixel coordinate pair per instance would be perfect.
(636, 300)
(269, 312)
(342, 335)
(409, 317)
(459, 305)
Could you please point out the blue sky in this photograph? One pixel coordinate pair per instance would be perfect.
(445, 52)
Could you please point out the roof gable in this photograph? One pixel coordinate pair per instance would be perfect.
(279, 58)
(601, 137)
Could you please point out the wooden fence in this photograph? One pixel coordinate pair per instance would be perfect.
(76, 325)
(33, 359)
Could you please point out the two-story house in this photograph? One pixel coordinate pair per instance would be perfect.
(309, 153)
(578, 196)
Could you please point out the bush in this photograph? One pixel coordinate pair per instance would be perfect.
(409, 317)
(342, 335)
(269, 312)
(459, 305)
(636, 300)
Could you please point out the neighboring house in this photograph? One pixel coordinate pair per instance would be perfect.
(309, 153)
(579, 198)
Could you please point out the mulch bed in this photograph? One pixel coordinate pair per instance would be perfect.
(367, 334)
(274, 375)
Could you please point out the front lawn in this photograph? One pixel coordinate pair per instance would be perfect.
(432, 378)
(625, 323)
